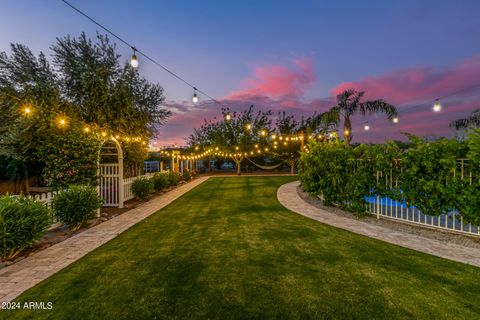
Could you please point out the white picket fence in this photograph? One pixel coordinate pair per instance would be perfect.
(398, 210)
(46, 198)
(127, 185)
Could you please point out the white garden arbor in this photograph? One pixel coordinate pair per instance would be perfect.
(110, 172)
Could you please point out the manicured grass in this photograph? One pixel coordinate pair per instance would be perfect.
(229, 250)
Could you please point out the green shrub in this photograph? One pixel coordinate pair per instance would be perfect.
(75, 205)
(142, 188)
(160, 181)
(186, 175)
(173, 178)
(23, 220)
(428, 175)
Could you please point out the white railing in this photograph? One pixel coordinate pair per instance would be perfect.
(46, 199)
(127, 185)
(383, 207)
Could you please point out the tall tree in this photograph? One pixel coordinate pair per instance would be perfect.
(349, 103)
(473, 121)
(86, 84)
(286, 125)
(236, 134)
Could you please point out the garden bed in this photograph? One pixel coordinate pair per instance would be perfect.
(62, 232)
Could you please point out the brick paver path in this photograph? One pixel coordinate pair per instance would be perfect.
(24, 274)
(289, 198)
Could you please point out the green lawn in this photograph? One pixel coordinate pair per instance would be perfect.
(229, 250)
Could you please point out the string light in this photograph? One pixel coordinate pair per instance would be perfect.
(134, 60)
(86, 129)
(249, 126)
(263, 133)
(346, 132)
(195, 97)
(62, 122)
(437, 107)
(367, 126)
(395, 120)
(27, 110)
(274, 136)
(228, 117)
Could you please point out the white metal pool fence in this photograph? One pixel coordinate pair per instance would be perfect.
(383, 207)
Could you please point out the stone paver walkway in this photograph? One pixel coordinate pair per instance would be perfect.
(24, 274)
(289, 198)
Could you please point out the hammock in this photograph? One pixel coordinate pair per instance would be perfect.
(266, 167)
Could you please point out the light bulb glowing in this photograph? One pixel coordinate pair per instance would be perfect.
(27, 110)
(249, 126)
(195, 97)
(104, 134)
(367, 126)
(62, 122)
(274, 136)
(134, 60)
(86, 129)
(437, 107)
(263, 133)
(395, 120)
(228, 117)
(347, 132)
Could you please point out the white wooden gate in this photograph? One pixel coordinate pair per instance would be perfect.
(110, 174)
(110, 184)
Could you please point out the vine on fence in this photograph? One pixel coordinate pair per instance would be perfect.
(428, 174)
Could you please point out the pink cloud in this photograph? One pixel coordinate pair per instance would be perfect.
(277, 81)
(417, 84)
(279, 88)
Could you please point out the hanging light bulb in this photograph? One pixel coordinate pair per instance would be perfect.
(228, 117)
(346, 132)
(86, 129)
(395, 120)
(195, 97)
(437, 107)
(263, 133)
(367, 126)
(274, 136)
(134, 60)
(249, 126)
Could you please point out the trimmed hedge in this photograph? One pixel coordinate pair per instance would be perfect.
(428, 174)
(161, 181)
(142, 188)
(174, 178)
(75, 205)
(23, 220)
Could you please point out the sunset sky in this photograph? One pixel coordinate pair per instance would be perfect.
(284, 55)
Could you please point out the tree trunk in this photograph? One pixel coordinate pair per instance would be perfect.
(209, 164)
(238, 162)
(347, 130)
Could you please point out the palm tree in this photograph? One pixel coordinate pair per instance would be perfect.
(348, 103)
(473, 121)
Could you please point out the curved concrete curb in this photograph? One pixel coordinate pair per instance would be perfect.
(287, 195)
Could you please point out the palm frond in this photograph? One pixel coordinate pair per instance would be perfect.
(378, 106)
(472, 121)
